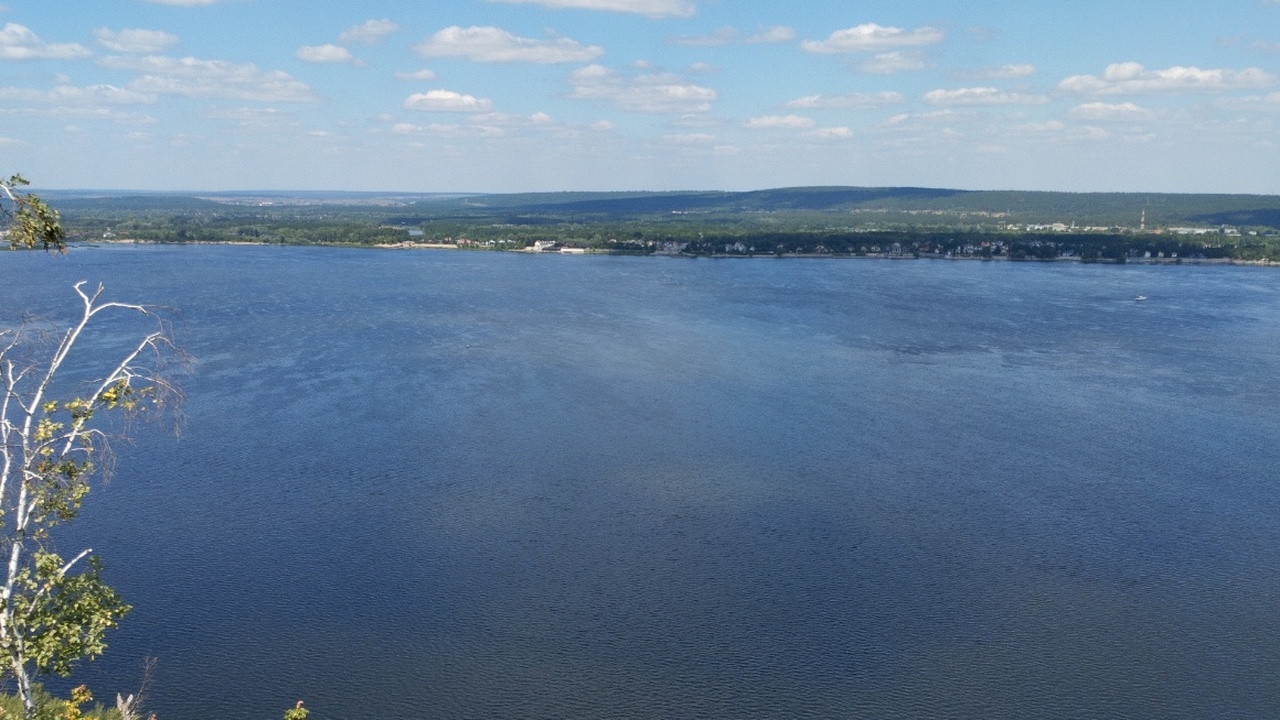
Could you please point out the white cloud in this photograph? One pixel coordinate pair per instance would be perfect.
(777, 34)
(871, 37)
(135, 41)
(892, 62)
(1132, 78)
(70, 95)
(447, 101)
(830, 133)
(840, 102)
(492, 44)
(423, 74)
(651, 8)
(83, 112)
(695, 120)
(368, 32)
(690, 139)
(1004, 72)
(324, 54)
(652, 93)
(932, 117)
(538, 120)
(18, 42)
(1110, 111)
(778, 121)
(1267, 103)
(729, 36)
(253, 120)
(246, 114)
(192, 77)
(1058, 131)
(723, 36)
(982, 96)
(448, 130)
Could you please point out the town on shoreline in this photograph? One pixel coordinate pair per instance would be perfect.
(892, 223)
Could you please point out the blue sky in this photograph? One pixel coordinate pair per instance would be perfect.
(522, 95)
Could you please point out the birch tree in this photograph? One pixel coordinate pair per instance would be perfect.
(58, 410)
(31, 221)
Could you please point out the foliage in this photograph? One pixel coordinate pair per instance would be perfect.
(48, 707)
(55, 611)
(297, 712)
(818, 221)
(31, 221)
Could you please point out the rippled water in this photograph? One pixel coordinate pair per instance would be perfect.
(476, 485)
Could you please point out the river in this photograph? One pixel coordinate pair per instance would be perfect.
(484, 485)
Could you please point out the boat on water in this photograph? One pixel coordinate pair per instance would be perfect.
(1139, 298)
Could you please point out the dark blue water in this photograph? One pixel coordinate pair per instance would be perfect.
(476, 485)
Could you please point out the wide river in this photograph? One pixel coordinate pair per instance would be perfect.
(478, 485)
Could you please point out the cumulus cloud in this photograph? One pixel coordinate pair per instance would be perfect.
(695, 120)
(324, 54)
(772, 122)
(1004, 72)
(492, 44)
(71, 95)
(729, 36)
(723, 36)
(18, 42)
(192, 77)
(1132, 78)
(651, 8)
(253, 120)
(892, 62)
(423, 74)
(447, 101)
(830, 133)
(1266, 103)
(368, 32)
(690, 139)
(85, 112)
(247, 115)
(841, 102)
(982, 96)
(648, 93)
(871, 37)
(1110, 111)
(1058, 131)
(776, 34)
(449, 130)
(135, 41)
(768, 122)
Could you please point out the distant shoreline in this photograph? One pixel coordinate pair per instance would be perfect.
(754, 256)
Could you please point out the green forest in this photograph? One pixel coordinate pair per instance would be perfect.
(813, 221)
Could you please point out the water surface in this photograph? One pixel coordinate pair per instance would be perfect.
(479, 485)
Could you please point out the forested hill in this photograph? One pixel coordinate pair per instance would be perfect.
(1110, 209)
(802, 220)
(894, 205)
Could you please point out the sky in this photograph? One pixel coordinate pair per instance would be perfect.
(551, 95)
